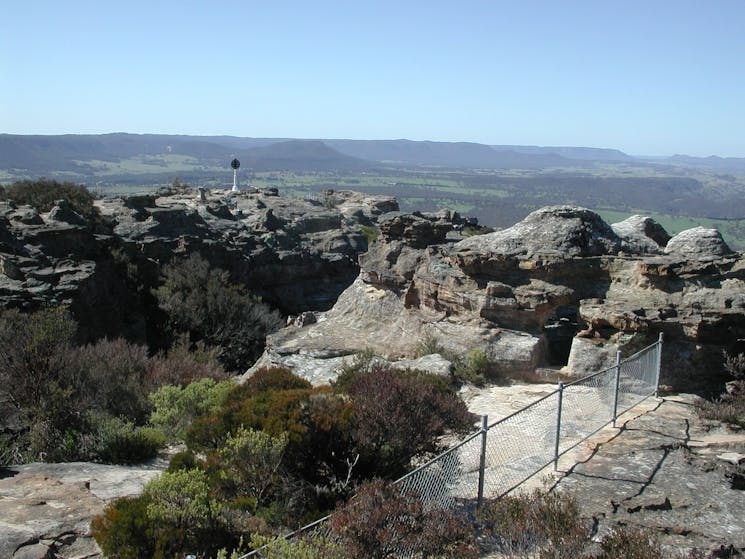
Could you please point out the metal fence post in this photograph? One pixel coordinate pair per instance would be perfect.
(558, 426)
(482, 460)
(659, 365)
(618, 384)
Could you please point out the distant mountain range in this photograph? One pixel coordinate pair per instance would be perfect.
(76, 154)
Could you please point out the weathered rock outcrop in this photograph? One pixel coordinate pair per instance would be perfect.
(562, 287)
(668, 472)
(46, 509)
(298, 254)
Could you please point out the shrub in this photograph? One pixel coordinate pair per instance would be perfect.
(272, 378)
(727, 408)
(175, 408)
(399, 414)
(429, 344)
(175, 515)
(187, 518)
(111, 379)
(735, 365)
(121, 442)
(43, 193)
(35, 351)
(201, 301)
(184, 362)
(249, 465)
(124, 530)
(473, 368)
(380, 522)
(544, 524)
(370, 233)
(314, 546)
(184, 460)
(320, 455)
(630, 543)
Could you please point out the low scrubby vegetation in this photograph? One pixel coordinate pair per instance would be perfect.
(474, 367)
(201, 302)
(43, 193)
(729, 407)
(276, 452)
(61, 402)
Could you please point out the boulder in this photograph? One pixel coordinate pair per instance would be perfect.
(64, 213)
(641, 235)
(565, 231)
(698, 243)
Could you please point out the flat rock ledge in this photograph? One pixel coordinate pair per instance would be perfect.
(665, 470)
(46, 509)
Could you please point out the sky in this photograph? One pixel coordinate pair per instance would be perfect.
(653, 77)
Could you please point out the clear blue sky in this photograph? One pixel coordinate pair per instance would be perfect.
(651, 77)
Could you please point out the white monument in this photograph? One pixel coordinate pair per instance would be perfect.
(235, 164)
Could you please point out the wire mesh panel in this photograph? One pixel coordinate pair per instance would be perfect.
(638, 377)
(520, 445)
(587, 406)
(447, 478)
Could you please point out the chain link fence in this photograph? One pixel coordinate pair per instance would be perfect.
(501, 456)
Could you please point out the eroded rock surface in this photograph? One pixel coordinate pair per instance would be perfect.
(298, 254)
(46, 509)
(560, 289)
(664, 470)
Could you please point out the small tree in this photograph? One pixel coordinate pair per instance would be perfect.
(201, 301)
(249, 465)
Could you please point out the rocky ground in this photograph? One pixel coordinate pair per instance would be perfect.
(46, 509)
(666, 470)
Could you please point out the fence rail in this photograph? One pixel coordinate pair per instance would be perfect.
(502, 455)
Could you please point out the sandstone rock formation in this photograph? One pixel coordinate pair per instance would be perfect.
(298, 254)
(46, 509)
(667, 471)
(560, 289)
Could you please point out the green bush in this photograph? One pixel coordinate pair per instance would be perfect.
(201, 301)
(122, 442)
(175, 408)
(473, 368)
(249, 466)
(173, 517)
(43, 193)
(320, 456)
(314, 546)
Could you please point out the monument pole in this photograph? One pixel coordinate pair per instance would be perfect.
(235, 164)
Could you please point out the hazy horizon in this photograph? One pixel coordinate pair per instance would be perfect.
(650, 79)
